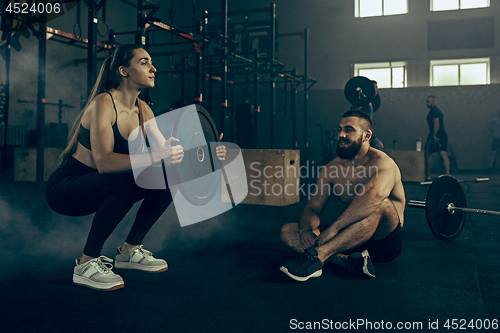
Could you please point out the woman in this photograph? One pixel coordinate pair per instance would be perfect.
(95, 174)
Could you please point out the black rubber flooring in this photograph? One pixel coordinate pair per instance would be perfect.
(224, 274)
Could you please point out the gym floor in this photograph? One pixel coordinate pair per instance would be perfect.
(224, 273)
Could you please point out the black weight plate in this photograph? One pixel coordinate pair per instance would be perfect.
(376, 103)
(359, 91)
(195, 130)
(443, 191)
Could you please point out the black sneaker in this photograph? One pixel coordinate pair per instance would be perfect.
(360, 263)
(305, 266)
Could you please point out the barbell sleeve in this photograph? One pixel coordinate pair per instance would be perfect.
(417, 204)
(474, 210)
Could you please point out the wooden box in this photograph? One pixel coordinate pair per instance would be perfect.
(273, 176)
(411, 163)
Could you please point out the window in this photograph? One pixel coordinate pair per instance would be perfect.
(437, 5)
(387, 74)
(366, 8)
(460, 72)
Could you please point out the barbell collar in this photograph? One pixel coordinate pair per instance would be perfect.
(451, 208)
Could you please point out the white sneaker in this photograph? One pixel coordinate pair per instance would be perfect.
(361, 263)
(139, 258)
(97, 274)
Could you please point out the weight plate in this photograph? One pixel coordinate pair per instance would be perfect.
(359, 91)
(197, 180)
(443, 191)
(376, 103)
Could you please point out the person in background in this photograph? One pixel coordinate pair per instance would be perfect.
(437, 140)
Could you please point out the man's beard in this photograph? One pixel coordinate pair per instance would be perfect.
(349, 152)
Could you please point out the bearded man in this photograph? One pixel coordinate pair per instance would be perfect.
(369, 183)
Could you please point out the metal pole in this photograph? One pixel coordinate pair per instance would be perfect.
(232, 113)
(256, 99)
(141, 39)
(198, 75)
(183, 80)
(451, 208)
(306, 96)
(91, 46)
(204, 50)
(193, 14)
(271, 56)
(210, 99)
(417, 204)
(224, 66)
(7, 80)
(294, 110)
(140, 36)
(473, 210)
(276, 40)
(40, 100)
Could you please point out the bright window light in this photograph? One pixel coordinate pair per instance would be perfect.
(473, 74)
(368, 8)
(437, 5)
(387, 74)
(398, 77)
(381, 75)
(445, 75)
(394, 7)
(466, 4)
(455, 72)
(444, 5)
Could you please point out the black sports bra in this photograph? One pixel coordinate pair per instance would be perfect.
(121, 144)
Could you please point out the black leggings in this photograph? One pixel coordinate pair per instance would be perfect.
(76, 189)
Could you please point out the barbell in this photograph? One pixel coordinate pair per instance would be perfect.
(360, 91)
(476, 180)
(446, 207)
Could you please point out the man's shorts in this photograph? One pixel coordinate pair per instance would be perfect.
(381, 250)
(495, 144)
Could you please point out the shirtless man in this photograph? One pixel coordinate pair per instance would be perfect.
(370, 226)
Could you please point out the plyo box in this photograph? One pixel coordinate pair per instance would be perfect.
(411, 163)
(272, 176)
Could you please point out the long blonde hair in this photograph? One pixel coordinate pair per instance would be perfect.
(109, 78)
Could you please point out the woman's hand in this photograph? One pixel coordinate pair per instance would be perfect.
(221, 150)
(172, 154)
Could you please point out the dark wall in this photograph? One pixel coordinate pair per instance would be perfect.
(468, 112)
(337, 41)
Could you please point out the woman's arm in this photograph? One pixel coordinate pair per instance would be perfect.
(155, 137)
(102, 141)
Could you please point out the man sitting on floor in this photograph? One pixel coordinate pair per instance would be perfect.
(369, 183)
